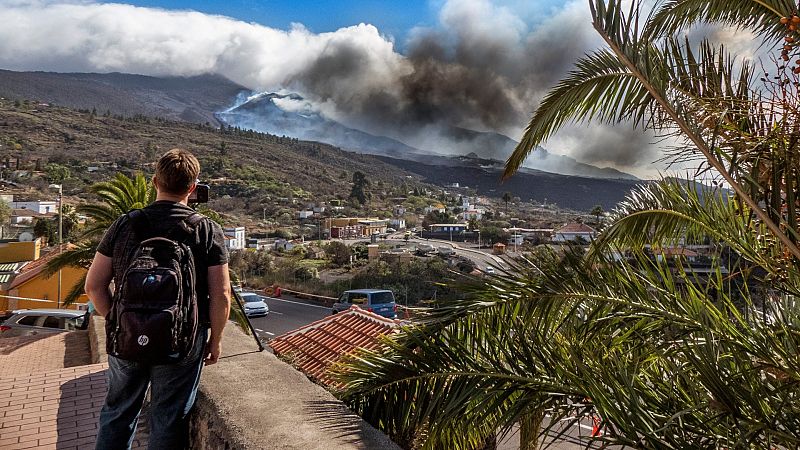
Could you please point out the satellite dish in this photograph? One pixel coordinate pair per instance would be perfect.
(25, 236)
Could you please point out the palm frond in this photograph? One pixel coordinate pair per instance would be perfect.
(599, 88)
(639, 340)
(760, 16)
(80, 256)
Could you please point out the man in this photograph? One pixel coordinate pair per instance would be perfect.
(173, 386)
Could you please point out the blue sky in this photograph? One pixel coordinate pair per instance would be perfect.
(392, 17)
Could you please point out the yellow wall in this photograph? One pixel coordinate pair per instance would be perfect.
(42, 287)
(20, 251)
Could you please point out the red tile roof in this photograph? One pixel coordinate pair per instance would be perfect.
(313, 348)
(575, 227)
(34, 268)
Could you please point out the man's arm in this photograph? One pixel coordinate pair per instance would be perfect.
(219, 292)
(97, 283)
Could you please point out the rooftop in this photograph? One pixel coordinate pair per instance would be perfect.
(34, 268)
(575, 227)
(315, 347)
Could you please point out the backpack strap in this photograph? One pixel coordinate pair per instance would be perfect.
(140, 224)
(187, 227)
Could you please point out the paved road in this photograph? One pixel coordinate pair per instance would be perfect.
(481, 258)
(286, 314)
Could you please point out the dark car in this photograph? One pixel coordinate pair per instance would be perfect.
(379, 301)
(26, 322)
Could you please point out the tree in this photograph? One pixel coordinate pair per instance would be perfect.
(437, 217)
(597, 211)
(56, 173)
(360, 184)
(44, 228)
(117, 196)
(664, 358)
(507, 198)
(338, 252)
(5, 216)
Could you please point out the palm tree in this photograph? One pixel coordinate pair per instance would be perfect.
(597, 211)
(118, 196)
(507, 198)
(666, 356)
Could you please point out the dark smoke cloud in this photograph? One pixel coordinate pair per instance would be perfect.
(481, 69)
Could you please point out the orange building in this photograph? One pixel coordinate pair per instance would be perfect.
(26, 285)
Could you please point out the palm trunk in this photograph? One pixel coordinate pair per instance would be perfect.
(490, 443)
(530, 425)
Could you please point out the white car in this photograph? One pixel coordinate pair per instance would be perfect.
(489, 270)
(391, 230)
(27, 322)
(254, 304)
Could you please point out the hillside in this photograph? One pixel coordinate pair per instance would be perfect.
(577, 193)
(256, 170)
(189, 99)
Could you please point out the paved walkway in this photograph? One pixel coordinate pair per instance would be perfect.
(56, 409)
(50, 396)
(41, 353)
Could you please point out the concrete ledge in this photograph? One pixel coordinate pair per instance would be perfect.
(97, 339)
(252, 400)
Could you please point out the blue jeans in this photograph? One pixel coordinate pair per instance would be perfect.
(173, 388)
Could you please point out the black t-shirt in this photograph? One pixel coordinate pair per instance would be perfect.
(208, 246)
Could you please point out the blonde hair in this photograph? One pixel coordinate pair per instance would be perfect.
(176, 171)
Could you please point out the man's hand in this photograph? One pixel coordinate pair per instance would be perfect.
(213, 350)
(219, 292)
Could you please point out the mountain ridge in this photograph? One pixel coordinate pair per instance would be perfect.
(188, 99)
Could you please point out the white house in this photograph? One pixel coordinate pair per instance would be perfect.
(398, 224)
(437, 207)
(283, 244)
(573, 231)
(318, 209)
(304, 214)
(260, 243)
(399, 210)
(237, 240)
(516, 239)
(39, 207)
(470, 214)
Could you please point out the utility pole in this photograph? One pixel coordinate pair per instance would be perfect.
(60, 233)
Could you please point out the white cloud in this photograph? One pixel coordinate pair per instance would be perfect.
(116, 37)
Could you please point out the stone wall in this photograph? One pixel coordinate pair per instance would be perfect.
(97, 339)
(253, 400)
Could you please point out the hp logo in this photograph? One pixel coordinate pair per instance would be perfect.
(143, 340)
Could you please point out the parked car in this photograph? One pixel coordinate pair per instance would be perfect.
(379, 301)
(254, 304)
(391, 230)
(446, 251)
(424, 249)
(27, 322)
(489, 270)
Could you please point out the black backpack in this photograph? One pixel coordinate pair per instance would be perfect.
(153, 316)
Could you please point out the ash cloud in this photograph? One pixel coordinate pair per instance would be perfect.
(484, 66)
